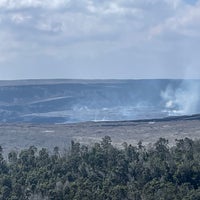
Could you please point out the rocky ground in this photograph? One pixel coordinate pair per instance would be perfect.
(18, 136)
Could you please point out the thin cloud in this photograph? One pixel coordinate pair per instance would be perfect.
(24, 4)
(138, 35)
(185, 22)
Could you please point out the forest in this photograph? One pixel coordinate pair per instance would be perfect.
(102, 171)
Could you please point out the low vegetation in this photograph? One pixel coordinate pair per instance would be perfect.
(103, 172)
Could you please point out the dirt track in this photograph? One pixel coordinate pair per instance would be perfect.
(18, 136)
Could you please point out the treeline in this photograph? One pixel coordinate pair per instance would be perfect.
(104, 172)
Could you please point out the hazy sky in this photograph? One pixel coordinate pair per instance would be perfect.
(99, 39)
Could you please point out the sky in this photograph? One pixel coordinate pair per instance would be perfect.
(99, 39)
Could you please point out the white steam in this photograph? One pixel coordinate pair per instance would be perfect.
(184, 100)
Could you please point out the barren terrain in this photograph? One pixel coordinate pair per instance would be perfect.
(18, 136)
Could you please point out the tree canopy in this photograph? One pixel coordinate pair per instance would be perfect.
(103, 172)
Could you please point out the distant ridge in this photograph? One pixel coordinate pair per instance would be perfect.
(75, 81)
(57, 81)
(74, 101)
